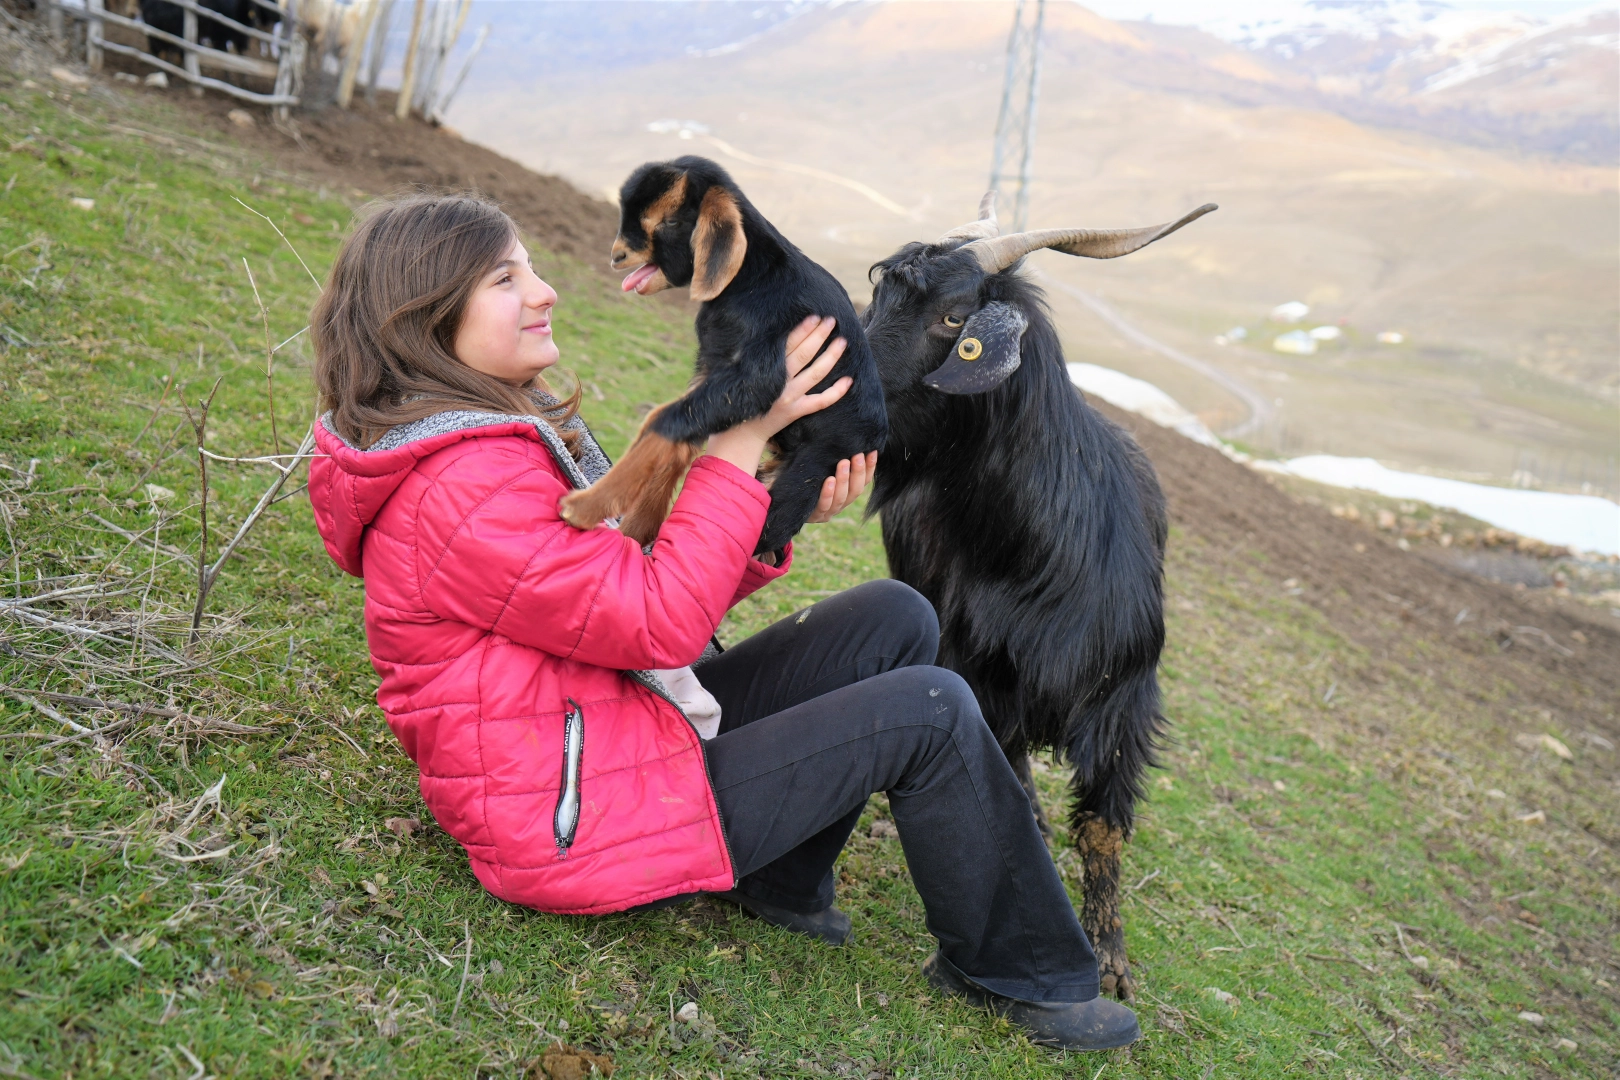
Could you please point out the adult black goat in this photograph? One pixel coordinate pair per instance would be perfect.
(171, 18)
(1034, 525)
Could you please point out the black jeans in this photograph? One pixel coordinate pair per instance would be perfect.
(837, 702)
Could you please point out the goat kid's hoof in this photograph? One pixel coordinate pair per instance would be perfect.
(1098, 1024)
(574, 510)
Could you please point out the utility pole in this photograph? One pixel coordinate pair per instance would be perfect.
(1015, 126)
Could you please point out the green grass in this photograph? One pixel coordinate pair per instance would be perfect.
(1286, 839)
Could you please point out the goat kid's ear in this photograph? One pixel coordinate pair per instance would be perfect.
(718, 244)
(986, 352)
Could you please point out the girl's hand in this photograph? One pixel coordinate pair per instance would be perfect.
(843, 488)
(744, 444)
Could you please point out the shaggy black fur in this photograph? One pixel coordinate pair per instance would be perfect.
(171, 18)
(1034, 525)
(741, 333)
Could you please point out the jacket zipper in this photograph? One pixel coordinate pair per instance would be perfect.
(565, 822)
(653, 684)
(570, 468)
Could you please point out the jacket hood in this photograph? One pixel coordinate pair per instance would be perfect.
(349, 486)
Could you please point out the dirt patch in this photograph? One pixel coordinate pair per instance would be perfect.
(1470, 635)
(366, 152)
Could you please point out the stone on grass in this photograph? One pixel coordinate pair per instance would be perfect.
(1221, 996)
(241, 118)
(1568, 1046)
(83, 204)
(883, 829)
(688, 1013)
(1533, 1018)
(69, 77)
(158, 80)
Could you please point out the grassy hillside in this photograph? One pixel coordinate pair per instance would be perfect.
(216, 881)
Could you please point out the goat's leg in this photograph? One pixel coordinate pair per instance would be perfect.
(1101, 845)
(795, 490)
(1026, 778)
(638, 486)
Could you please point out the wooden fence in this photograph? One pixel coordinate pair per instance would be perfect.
(287, 46)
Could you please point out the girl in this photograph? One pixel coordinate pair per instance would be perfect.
(542, 677)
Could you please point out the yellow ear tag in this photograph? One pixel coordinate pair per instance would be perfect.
(969, 349)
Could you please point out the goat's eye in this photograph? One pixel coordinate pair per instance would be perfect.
(670, 223)
(953, 321)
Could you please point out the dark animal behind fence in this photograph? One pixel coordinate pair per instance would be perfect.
(1034, 525)
(171, 18)
(685, 222)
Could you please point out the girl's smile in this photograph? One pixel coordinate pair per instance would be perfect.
(506, 330)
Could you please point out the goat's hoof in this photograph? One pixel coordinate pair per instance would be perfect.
(577, 513)
(1115, 970)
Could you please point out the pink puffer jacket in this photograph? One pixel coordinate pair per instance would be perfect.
(502, 633)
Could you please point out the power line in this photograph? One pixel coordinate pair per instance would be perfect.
(1015, 126)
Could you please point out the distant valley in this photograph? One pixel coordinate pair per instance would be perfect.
(1488, 245)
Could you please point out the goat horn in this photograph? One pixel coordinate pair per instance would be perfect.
(996, 253)
(985, 227)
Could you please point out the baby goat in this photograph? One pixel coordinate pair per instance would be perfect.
(685, 222)
(1034, 525)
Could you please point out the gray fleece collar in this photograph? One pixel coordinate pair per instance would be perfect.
(592, 465)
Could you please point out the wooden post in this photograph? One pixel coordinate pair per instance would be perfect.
(379, 49)
(193, 66)
(351, 62)
(56, 21)
(441, 59)
(92, 37)
(427, 64)
(402, 108)
(443, 105)
(290, 69)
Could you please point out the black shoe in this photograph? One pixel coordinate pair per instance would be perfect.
(1098, 1024)
(831, 926)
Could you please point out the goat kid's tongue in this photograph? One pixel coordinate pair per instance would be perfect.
(638, 277)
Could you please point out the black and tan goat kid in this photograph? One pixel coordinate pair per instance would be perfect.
(685, 222)
(1034, 525)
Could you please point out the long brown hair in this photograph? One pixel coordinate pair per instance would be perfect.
(385, 325)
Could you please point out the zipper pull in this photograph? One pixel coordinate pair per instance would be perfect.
(565, 822)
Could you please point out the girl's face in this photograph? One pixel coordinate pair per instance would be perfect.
(506, 329)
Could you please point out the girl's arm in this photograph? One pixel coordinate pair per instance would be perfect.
(494, 553)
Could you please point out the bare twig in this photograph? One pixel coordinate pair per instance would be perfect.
(168, 384)
(199, 424)
(1404, 950)
(284, 240)
(135, 537)
(466, 966)
(304, 451)
(227, 726)
(1340, 960)
(162, 456)
(289, 341)
(1379, 1050)
(1144, 881)
(49, 713)
(266, 459)
(269, 356)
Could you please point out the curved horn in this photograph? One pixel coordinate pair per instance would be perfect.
(996, 253)
(986, 226)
